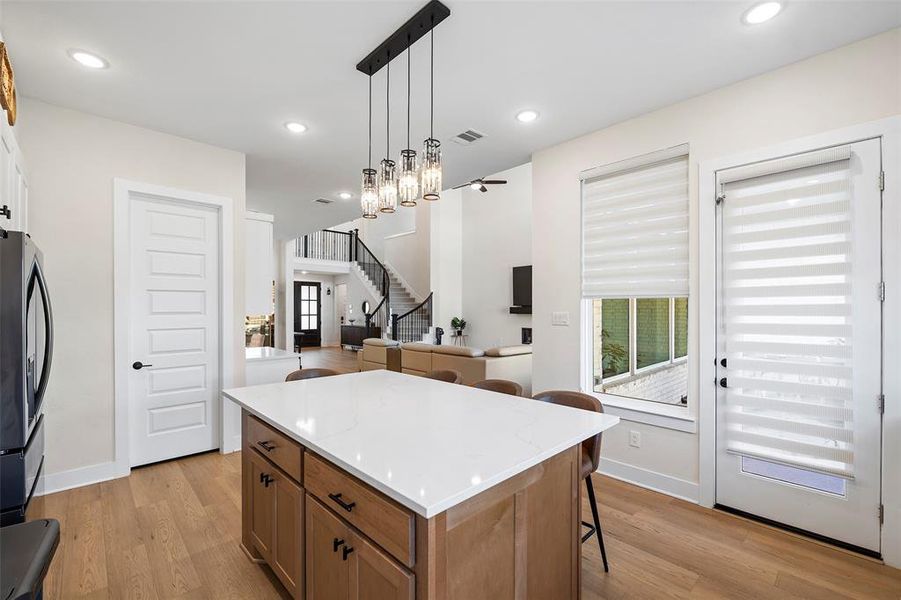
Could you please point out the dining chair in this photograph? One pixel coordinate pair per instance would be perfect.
(448, 375)
(591, 455)
(502, 386)
(311, 373)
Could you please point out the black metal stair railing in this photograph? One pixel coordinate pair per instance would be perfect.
(413, 324)
(327, 244)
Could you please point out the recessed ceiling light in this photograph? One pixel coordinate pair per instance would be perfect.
(345, 195)
(295, 127)
(86, 59)
(526, 116)
(762, 12)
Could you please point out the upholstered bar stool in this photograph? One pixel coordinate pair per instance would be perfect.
(309, 374)
(591, 454)
(448, 375)
(502, 386)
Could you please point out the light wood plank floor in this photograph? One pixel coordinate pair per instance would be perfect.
(171, 530)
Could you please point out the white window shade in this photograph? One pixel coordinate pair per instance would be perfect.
(635, 228)
(787, 278)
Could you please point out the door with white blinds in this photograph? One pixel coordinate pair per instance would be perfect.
(799, 363)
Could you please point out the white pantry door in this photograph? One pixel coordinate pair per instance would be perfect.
(799, 363)
(174, 329)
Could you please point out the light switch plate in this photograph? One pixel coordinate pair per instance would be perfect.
(560, 318)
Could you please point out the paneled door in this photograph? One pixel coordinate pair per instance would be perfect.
(799, 363)
(173, 329)
(308, 312)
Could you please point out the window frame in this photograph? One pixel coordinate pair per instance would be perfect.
(670, 416)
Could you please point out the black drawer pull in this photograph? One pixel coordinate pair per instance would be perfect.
(266, 445)
(336, 543)
(348, 506)
(345, 551)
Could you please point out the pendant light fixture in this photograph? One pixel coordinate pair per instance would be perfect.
(431, 152)
(369, 191)
(387, 168)
(408, 183)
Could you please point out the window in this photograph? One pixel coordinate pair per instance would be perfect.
(635, 276)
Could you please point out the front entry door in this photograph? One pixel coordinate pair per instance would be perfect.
(799, 373)
(174, 329)
(307, 312)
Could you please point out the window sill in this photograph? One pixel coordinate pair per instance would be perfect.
(668, 416)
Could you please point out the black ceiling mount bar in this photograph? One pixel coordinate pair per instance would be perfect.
(417, 26)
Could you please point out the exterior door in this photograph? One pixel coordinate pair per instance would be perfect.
(308, 312)
(799, 329)
(174, 329)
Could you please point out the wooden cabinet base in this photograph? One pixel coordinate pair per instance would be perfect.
(518, 539)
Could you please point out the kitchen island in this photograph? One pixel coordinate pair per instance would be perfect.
(384, 485)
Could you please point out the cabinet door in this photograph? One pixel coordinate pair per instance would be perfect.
(326, 554)
(287, 549)
(262, 504)
(375, 576)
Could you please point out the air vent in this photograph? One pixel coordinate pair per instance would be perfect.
(468, 137)
(323, 200)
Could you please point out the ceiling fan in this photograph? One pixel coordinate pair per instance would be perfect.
(480, 184)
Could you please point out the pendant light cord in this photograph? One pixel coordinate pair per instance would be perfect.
(432, 83)
(388, 110)
(408, 93)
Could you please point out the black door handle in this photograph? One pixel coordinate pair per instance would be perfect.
(348, 506)
(138, 365)
(336, 543)
(345, 551)
(723, 382)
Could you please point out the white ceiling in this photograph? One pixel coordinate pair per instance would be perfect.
(232, 73)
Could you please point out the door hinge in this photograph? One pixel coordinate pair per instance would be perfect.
(881, 291)
(881, 181)
(882, 514)
(880, 403)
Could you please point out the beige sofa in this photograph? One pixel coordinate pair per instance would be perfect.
(378, 353)
(513, 363)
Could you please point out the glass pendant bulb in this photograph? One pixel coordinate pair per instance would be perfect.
(387, 186)
(430, 172)
(369, 194)
(408, 181)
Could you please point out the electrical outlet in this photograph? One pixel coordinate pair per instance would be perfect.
(635, 438)
(560, 318)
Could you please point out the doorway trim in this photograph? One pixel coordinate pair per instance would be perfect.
(889, 130)
(124, 191)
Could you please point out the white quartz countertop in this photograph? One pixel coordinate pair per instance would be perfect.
(427, 444)
(267, 353)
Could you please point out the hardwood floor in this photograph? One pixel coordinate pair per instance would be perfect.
(337, 359)
(171, 530)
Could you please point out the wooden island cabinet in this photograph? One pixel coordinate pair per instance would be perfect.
(333, 531)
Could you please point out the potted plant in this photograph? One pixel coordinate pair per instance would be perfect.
(458, 325)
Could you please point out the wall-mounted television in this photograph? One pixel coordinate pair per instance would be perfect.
(522, 289)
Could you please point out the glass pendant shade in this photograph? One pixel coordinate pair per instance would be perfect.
(387, 186)
(369, 194)
(430, 173)
(408, 181)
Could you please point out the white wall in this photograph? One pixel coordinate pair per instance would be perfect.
(497, 236)
(446, 259)
(73, 158)
(854, 84)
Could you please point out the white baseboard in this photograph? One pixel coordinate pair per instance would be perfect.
(652, 480)
(73, 478)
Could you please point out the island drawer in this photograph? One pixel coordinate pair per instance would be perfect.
(276, 446)
(385, 522)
